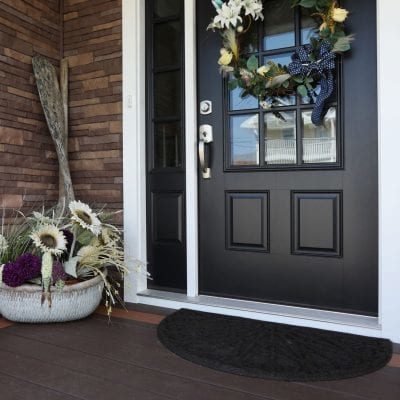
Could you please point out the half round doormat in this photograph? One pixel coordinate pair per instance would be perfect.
(268, 350)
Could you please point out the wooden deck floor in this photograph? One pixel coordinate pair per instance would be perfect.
(92, 360)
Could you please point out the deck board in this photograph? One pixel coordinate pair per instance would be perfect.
(92, 359)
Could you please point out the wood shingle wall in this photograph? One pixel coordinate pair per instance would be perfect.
(28, 167)
(90, 35)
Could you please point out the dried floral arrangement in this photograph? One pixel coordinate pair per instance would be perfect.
(311, 72)
(51, 251)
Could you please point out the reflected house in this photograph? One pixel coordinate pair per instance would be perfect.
(318, 143)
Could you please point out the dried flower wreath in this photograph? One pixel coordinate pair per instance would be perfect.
(311, 72)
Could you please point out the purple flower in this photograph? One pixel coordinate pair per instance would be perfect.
(69, 236)
(23, 269)
(29, 265)
(12, 276)
(58, 272)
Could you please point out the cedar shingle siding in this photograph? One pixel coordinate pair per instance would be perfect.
(92, 41)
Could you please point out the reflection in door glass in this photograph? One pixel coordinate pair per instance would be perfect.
(278, 24)
(280, 137)
(238, 103)
(244, 140)
(308, 29)
(284, 60)
(319, 142)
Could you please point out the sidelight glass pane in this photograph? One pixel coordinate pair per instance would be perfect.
(280, 138)
(244, 140)
(167, 94)
(278, 24)
(319, 142)
(167, 145)
(166, 8)
(167, 44)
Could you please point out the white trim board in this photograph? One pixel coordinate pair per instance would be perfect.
(362, 325)
(388, 30)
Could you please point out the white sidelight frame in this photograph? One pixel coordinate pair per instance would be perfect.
(134, 127)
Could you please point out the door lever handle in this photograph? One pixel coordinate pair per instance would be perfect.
(205, 137)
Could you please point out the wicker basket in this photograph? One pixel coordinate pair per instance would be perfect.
(23, 304)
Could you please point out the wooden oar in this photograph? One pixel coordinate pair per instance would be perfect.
(53, 107)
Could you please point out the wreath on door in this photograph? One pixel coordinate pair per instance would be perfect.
(311, 72)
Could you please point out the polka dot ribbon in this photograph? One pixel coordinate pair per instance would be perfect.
(320, 69)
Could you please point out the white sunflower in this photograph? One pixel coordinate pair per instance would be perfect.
(83, 215)
(3, 244)
(88, 254)
(49, 239)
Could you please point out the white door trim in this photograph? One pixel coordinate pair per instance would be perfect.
(135, 168)
(191, 150)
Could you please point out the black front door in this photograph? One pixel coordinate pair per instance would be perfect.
(290, 213)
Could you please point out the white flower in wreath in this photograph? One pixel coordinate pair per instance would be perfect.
(339, 14)
(49, 239)
(3, 244)
(263, 70)
(83, 215)
(254, 8)
(227, 16)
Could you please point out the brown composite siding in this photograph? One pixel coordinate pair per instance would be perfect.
(28, 168)
(93, 44)
(91, 37)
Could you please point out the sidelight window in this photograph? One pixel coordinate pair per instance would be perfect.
(165, 84)
(286, 138)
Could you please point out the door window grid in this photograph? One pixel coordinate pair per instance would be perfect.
(296, 144)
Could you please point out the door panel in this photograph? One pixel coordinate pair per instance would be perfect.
(290, 213)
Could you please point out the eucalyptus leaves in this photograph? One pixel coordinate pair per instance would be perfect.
(311, 73)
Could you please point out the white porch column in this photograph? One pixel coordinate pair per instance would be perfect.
(134, 142)
(389, 172)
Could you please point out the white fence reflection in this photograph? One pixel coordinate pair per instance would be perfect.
(315, 150)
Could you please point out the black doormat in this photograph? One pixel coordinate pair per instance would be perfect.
(268, 350)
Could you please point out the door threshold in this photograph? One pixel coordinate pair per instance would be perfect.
(320, 319)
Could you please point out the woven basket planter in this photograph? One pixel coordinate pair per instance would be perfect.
(23, 304)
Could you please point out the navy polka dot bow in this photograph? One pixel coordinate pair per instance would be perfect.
(301, 65)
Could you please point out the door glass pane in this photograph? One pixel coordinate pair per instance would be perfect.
(280, 137)
(167, 94)
(167, 44)
(244, 139)
(284, 60)
(236, 102)
(167, 146)
(250, 40)
(308, 26)
(278, 24)
(319, 142)
(166, 8)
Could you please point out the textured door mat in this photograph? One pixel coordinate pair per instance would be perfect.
(268, 350)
